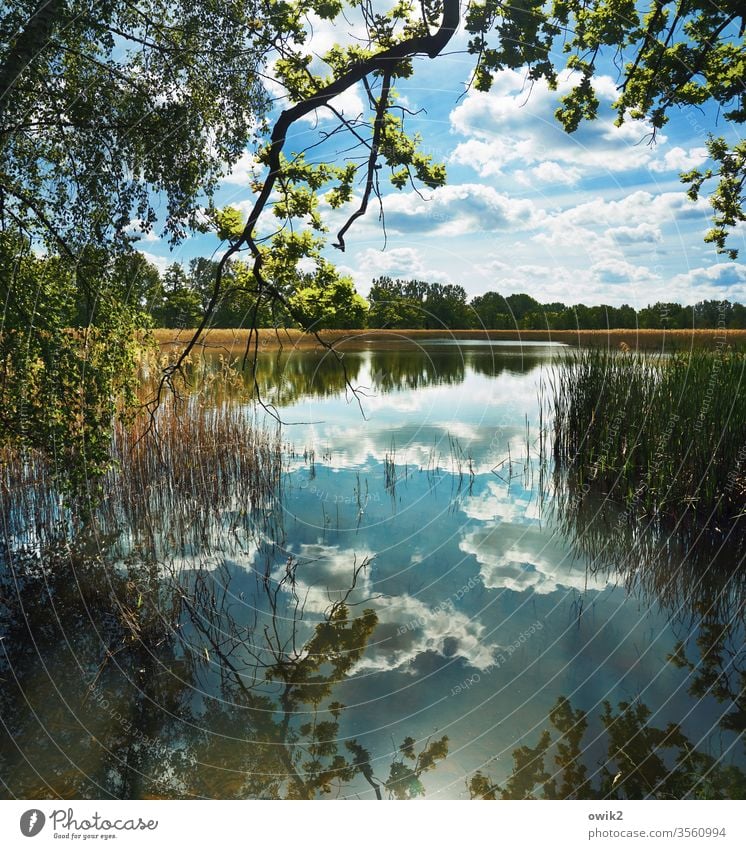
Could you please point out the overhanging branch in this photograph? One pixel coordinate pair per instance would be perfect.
(430, 44)
(381, 107)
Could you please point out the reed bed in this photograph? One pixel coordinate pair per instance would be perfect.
(661, 435)
(685, 566)
(235, 341)
(192, 464)
(177, 478)
(31, 509)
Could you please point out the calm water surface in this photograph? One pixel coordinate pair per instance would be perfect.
(430, 478)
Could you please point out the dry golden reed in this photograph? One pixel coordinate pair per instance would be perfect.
(235, 342)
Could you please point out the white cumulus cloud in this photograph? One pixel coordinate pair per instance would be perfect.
(678, 159)
(513, 126)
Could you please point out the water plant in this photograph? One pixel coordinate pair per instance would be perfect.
(174, 475)
(661, 435)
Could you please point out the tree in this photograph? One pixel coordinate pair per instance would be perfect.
(520, 305)
(738, 317)
(201, 95)
(106, 112)
(492, 311)
(100, 116)
(446, 307)
(684, 58)
(712, 313)
(201, 274)
(537, 320)
(396, 304)
(321, 304)
(673, 55)
(625, 316)
(109, 114)
(61, 385)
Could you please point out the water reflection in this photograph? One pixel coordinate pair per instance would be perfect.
(121, 683)
(624, 753)
(641, 761)
(360, 606)
(286, 376)
(682, 563)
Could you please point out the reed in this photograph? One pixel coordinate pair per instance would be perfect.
(660, 434)
(235, 342)
(176, 478)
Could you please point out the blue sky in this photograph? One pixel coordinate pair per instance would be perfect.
(598, 216)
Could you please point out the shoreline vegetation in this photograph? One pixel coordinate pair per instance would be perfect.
(658, 436)
(271, 339)
(198, 455)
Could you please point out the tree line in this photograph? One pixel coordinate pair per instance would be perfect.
(178, 297)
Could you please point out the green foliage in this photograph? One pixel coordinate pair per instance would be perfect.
(521, 311)
(404, 778)
(334, 649)
(229, 223)
(530, 779)
(491, 312)
(417, 304)
(62, 385)
(324, 300)
(179, 308)
(680, 56)
(401, 153)
(133, 112)
(572, 725)
(109, 121)
(728, 197)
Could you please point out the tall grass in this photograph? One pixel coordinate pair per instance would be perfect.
(234, 342)
(175, 478)
(662, 435)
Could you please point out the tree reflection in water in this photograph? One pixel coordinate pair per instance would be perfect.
(642, 761)
(287, 376)
(122, 682)
(690, 571)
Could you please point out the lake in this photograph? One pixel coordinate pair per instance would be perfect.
(413, 571)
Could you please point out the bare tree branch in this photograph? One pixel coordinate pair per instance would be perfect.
(381, 108)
